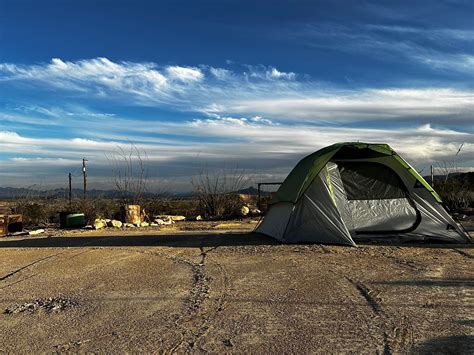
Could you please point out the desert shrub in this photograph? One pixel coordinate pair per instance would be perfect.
(38, 211)
(457, 193)
(455, 188)
(96, 208)
(159, 206)
(34, 213)
(215, 191)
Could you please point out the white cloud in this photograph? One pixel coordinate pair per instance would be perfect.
(260, 119)
(276, 74)
(263, 72)
(446, 34)
(402, 104)
(274, 149)
(91, 75)
(220, 73)
(186, 88)
(452, 62)
(184, 74)
(434, 48)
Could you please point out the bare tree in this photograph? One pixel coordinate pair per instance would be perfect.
(214, 190)
(130, 173)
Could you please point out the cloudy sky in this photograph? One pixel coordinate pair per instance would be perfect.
(253, 84)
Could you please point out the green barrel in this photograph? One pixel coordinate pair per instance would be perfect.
(71, 220)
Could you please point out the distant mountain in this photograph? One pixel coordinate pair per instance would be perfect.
(15, 193)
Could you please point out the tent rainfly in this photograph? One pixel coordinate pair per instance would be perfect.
(354, 191)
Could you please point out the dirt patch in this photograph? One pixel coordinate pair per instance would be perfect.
(218, 291)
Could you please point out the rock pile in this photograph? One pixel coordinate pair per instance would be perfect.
(51, 304)
(161, 220)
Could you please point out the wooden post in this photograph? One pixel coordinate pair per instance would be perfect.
(84, 173)
(70, 189)
(432, 177)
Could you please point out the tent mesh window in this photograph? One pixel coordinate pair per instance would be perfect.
(371, 181)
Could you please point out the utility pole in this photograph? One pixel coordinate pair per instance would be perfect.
(70, 189)
(84, 173)
(432, 177)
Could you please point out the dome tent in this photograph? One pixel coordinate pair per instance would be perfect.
(352, 191)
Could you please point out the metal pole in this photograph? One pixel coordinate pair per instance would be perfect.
(432, 177)
(84, 173)
(70, 189)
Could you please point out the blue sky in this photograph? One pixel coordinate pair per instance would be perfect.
(229, 83)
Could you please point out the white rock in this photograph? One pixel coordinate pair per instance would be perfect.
(164, 222)
(144, 224)
(99, 223)
(244, 211)
(36, 232)
(171, 217)
(114, 223)
(129, 225)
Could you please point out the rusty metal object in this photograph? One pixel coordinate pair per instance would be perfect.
(11, 224)
(3, 225)
(15, 223)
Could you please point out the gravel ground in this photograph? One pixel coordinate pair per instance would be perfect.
(212, 287)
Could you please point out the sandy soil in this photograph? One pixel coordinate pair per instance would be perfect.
(209, 288)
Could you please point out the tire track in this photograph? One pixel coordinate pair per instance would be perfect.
(374, 302)
(197, 321)
(367, 294)
(463, 253)
(38, 261)
(26, 267)
(197, 317)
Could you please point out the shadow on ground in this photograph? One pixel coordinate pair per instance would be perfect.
(463, 344)
(182, 240)
(195, 240)
(430, 283)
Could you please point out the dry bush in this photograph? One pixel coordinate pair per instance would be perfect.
(213, 189)
(455, 190)
(130, 173)
(457, 193)
(164, 206)
(39, 211)
(96, 208)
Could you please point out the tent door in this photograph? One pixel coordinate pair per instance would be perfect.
(377, 200)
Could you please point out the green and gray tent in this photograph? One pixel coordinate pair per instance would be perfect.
(352, 191)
